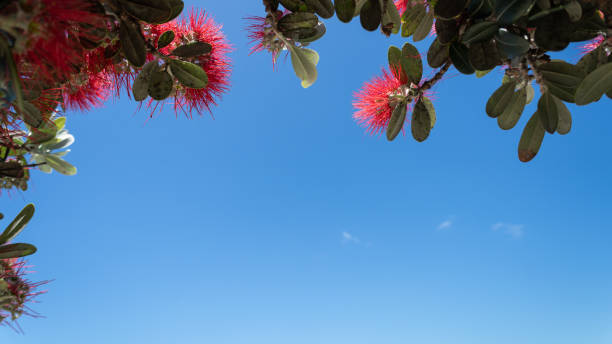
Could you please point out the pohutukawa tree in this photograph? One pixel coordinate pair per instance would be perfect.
(472, 36)
(58, 56)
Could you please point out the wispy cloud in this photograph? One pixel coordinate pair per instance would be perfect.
(446, 224)
(349, 238)
(513, 230)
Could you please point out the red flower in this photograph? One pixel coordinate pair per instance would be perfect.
(16, 291)
(592, 45)
(375, 103)
(263, 37)
(199, 27)
(53, 51)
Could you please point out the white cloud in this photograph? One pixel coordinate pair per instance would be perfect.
(515, 231)
(446, 224)
(349, 238)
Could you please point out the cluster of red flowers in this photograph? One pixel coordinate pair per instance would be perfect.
(199, 27)
(16, 291)
(72, 46)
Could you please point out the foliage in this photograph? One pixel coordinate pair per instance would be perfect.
(474, 37)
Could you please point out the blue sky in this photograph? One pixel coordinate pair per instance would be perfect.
(280, 221)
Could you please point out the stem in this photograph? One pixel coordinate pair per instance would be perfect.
(538, 75)
(431, 82)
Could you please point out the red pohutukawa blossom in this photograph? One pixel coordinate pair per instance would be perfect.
(52, 52)
(199, 27)
(263, 37)
(16, 291)
(592, 45)
(375, 102)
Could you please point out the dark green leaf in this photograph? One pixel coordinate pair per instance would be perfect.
(412, 63)
(395, 64)
(345, 9)
(500, 99)
(370, 15)
(324, 8)
(484, 55)
(447, 9)
(446, 30)
(31, 115)
(424, 27)
(421, 121)
(150, 11)
(189, 74)
(140, 87)
(547, 110)
(459, 55)
(132, 43)
(479, 32)
(165, 39)
(595, 85)
(565, 118)
(511, 45)
(437, 54)
(396, 122)
(18, 224)
(16, 251)
(411, 19)
(161, 83)
(509, 11)
(562, 78)
(512, 113)
(192, 50)
(177, 8)
(531, 139)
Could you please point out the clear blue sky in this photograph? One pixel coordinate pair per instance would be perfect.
(232, 230)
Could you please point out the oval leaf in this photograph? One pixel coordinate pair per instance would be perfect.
(18, 224)
(595, 85)
(531, 139)
(16, 250)
(189, 74)
(396, 122)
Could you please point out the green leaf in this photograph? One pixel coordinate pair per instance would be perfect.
(512, 113)
(132, 43)
(424, 27)
(391, 19)
(370, 15)
(18, 224)
(547, 110)
(421, 121)
(294, 5)
(430, 108)
(412, 63)
(140, 87)
(316, 33)
(396, 122)
(31, 115)
(530, 93)
(589, 62)
(574, 10)
(16, 250)
(531, 139)
(448, 9)
(479, 32)
(177, 8)
(60, 165)
(165, 39)
(192, 50)
(411, 19)
(395, 63)
(509, 11)
(500, 99)
(296, 21)
(437, 54)
(562, 78)
(160, 84)
(345, 9)
(595, 85)
(304, 63)
(150, 11)
(446, 30)
(565, 118)
(459, 55)
(324, 8)
(510, 44)
(484, 55)
(189, 74)
(60, 123)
